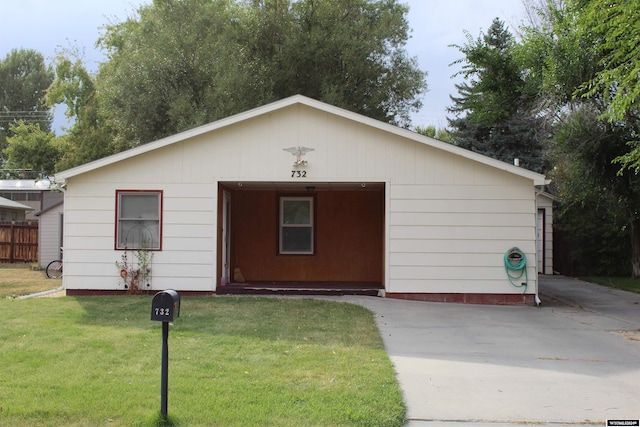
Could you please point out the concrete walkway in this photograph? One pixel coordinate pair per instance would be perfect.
(575, 360)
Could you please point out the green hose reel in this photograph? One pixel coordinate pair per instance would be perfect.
(515, 265)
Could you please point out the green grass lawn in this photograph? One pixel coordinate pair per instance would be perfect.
(95, 361)
(625, 283)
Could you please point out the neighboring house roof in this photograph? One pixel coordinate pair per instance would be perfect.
(24, 184)
(537, 178)
(10, 204)
(47, 209)
(549, 196)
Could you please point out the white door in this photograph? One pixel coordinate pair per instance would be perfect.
(226, 237)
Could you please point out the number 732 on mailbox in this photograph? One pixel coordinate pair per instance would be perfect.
(165, 306)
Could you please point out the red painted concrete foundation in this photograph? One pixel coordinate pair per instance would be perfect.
(104, 292)
(491, 299)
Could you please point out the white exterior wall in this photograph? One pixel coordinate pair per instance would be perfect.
(452, 238)
(49, 238)
(187, 258)
(449, 219)
(546, 203)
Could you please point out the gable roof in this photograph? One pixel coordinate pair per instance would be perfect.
(549, 196)
(537, 178)
(24, 184)
(49, 208)
(10, 204)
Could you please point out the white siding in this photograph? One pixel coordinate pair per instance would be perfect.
(449, 219)
(49, 237)
(546, 203)
(186, 260)
(452, 238)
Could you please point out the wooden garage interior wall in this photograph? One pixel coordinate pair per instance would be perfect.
(349, 237)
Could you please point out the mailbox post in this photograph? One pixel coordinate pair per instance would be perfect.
(164, 308)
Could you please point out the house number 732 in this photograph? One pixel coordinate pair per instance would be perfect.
(298, 174)
(163, 311)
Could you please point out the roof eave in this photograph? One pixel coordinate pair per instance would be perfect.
(62, 176)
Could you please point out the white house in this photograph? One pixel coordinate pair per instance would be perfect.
(544, 228)
(302, 195)
(50, 228)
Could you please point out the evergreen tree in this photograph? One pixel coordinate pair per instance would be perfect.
(493, 112)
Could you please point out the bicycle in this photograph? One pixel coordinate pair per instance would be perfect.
(54, 269)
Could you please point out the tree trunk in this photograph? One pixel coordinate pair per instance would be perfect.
(635, 247)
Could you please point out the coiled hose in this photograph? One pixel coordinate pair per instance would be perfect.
(515, 265)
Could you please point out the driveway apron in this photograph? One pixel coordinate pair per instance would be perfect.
(574, 360)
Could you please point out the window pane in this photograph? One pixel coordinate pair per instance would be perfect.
(297, 239)
(139, 206)
(138, 234)
(296, 212)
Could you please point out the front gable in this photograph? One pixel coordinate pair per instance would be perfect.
(251, 144)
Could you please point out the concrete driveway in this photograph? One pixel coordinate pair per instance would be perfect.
(575, 360)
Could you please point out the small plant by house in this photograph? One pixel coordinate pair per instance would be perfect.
(135, 270)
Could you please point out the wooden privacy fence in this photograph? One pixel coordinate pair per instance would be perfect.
(18, 242)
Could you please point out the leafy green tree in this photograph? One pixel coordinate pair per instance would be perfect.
(24, 80)
(617, 82)
(185, 63)
(31, 148)
(598, 212)
(616, 23)
(429, 131)
(436, 133)
(493, 113)
(557, 57)
(349, 53)
(91, 137)
(599, 204)
(174, 67)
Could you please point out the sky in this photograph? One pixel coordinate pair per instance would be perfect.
(48, 25)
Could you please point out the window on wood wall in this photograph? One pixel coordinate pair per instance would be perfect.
(138, 219)
(296, 225)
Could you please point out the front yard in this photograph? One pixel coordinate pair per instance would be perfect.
(92, 361)
(17, 280)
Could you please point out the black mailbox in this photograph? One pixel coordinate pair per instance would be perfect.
(165, 306)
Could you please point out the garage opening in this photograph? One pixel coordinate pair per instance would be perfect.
(315, 238)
